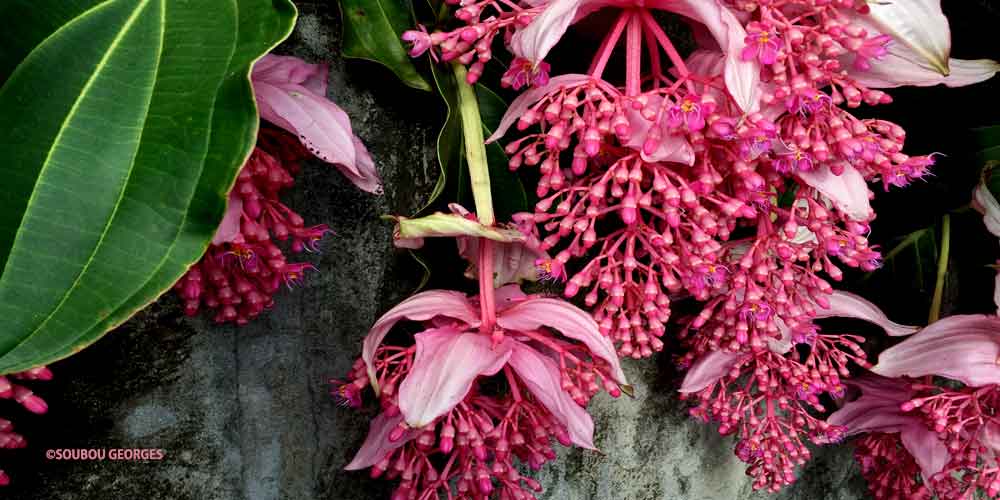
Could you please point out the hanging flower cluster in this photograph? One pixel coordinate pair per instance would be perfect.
(468, 397)
(735, 175)
(244, 267)
(11, 387)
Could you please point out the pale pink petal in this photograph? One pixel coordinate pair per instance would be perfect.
(279, 70)
(229, 228)
(569, 320)
(512, 262)
(848, 305)
(963, 348)
(377, 444)
(896, 71)
(985, 203)
(989, 435)
(930, 452)
(541, 376)
(508, 295)
(534, 41)
(847, 191)
(917, 26)
(742, 77)
(320, 124)
(528, 99)
(707, 370)
(420, 307)
(446, 364)
(878, 407)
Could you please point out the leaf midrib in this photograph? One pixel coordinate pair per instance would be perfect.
(126, 27)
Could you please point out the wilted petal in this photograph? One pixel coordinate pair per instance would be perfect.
(707, 370)
(566, 318)
(848, 305)
(451, 225)
(878, 407)
(918, 25)
(963, 348)
(512, 262)
(895, 70)
(542, 377)
(930, 453)
(229, 228)
(847, 191)
(420, 307)
(367, 178)
(446, 364)
(377, 444)
(528, 99)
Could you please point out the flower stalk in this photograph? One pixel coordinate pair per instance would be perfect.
(942, 269)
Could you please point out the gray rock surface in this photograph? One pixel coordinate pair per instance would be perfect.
(244, 414)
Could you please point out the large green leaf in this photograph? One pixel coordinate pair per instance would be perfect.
(509, 196)
(121, 132)
(371, 31)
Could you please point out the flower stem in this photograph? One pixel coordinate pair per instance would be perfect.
(475, 147)
(942, 269)
(479, 175)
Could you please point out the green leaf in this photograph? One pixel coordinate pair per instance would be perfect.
(371, 31)
(988, 139)
(509, 196)
(121, 132)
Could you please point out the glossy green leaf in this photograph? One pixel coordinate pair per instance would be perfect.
(371, 31)
(121, 131)
(988, 138)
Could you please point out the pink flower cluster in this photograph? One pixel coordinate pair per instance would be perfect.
(735, 176)
(10, 389)
(933, 429)
(244, 267)
(487, 383)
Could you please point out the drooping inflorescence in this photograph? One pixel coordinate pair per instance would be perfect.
(13, 387)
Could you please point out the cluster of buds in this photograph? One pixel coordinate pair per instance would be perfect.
(11, 389)
(244, 267)
(471, 397)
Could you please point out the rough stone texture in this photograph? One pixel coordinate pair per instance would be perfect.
(244, 413)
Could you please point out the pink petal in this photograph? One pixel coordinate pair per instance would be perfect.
(878, 407)
(742, 77)
(229, 228)
(989, 435)
(528, 99)
(985, 203)
(377, 444)
(541, 376)
(847, 305)
(507, 296)
(446, 364)
(279, 70)
(707, 370)
(420, 307)
(847, 191)
(963, 348)
(929, 452)
(569, 320)
(321, 125)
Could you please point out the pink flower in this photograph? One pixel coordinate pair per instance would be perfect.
(21, 394)
(292, 95)
(762, 43)
(420, 40)
(552, 359)
(523, 72)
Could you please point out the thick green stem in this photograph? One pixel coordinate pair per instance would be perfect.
(475, 147)
(942, 269)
